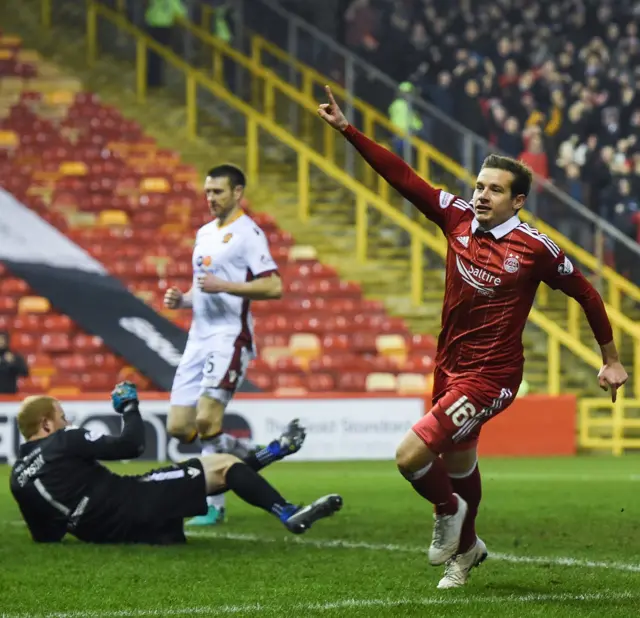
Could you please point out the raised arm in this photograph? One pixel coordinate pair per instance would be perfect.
(432, 202)
(128, 445)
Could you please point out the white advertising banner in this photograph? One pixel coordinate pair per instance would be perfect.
(337, 429)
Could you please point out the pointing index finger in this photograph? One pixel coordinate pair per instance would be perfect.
(330, 95)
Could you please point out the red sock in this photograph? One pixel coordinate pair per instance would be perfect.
(434, 485)
(469, 488)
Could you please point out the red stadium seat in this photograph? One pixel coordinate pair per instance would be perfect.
(422, 363)
(24, 343)
(34, 385)
(320, 383)
(15, 288)
(87, 343)
(72, 362)
(28, 323)
(352, 382)
(262, 379)
(8, 305)
(55, 342)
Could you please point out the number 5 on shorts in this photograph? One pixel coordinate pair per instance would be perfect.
(209, 366)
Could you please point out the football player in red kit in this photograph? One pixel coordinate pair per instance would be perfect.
(494, 265)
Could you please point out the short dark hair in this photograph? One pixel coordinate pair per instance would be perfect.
(234, 174)
(522, 176)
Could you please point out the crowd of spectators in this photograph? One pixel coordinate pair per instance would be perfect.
(554, 82)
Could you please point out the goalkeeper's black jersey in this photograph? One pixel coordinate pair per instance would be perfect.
(58, 483)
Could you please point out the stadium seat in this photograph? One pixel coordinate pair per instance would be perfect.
(352, 382)
(302, 253)
(154, 185)
(392, 346)
(9, 140)
(320, 383)
(34, 384)
(60, 392)
(410, 383)
(262, 379)
(113, 218)
(13, 287)
(40, 365)
(54, 343)
(73, 168)
(34, 304)
(419, 363)
(381, 382)
(24, 343)
(305, 347)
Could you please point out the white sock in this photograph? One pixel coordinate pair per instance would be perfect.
(217, 502)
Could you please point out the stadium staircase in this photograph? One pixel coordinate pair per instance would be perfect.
(330, 229)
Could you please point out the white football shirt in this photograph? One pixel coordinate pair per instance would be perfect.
(236, 251)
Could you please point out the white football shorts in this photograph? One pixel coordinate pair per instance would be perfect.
(215, 366)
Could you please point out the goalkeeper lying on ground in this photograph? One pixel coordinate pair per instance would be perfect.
(61, 488)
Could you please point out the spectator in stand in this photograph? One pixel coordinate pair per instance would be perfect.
(625, 216)
(12, 367)
(499, 67)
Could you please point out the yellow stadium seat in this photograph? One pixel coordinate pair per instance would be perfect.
(305, 347)
(10, 41)
(6, 54)
(290, 391)
(64, 391)
(113, 218)
(11, 84)
(42, 371)
(34, 304)
(59, 97)
(408, 383)
(299, 253)
(381, 382)
(272, 354)
(392, 346)
(155, 185)
(9, 139)
(29, 55)
(167, 228)
(73, 168)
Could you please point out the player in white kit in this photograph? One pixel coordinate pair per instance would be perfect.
(232, 265)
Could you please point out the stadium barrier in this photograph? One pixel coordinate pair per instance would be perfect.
(339, 426)
(262, 122)
(301, 104)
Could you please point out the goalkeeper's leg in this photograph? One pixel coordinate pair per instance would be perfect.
(227, 472)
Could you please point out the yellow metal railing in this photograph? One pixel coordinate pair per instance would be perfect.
(274, 85)
(260, 121)
(610, 426)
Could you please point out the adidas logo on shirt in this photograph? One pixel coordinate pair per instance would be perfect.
(463, 240)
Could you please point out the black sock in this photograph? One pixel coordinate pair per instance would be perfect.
(248, 485)
(262, 458)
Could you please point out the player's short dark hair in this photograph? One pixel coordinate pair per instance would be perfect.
(234, 174)
(522, 176)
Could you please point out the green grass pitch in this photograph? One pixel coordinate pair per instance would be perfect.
(565, 534)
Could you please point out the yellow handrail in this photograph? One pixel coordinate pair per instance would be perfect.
(364, 198)
(273, 83)
(307, 156)
(372, 116)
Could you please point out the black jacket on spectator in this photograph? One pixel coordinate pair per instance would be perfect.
(12, 367)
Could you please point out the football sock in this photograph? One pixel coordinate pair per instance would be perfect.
(433, 484)
(248, 485)
(265, 456)
(469, 487)
(210, 447)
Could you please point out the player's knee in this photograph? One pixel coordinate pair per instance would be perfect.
(209, 416)
(412, 455)
(215, 469)
(180, 423)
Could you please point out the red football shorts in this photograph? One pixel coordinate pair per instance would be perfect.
(461, 405)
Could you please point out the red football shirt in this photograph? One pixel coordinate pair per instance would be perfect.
(491, 276)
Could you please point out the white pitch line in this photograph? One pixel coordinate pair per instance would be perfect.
(346, 544)
(343, 604)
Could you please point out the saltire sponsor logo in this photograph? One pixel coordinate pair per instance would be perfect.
(478, 278)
